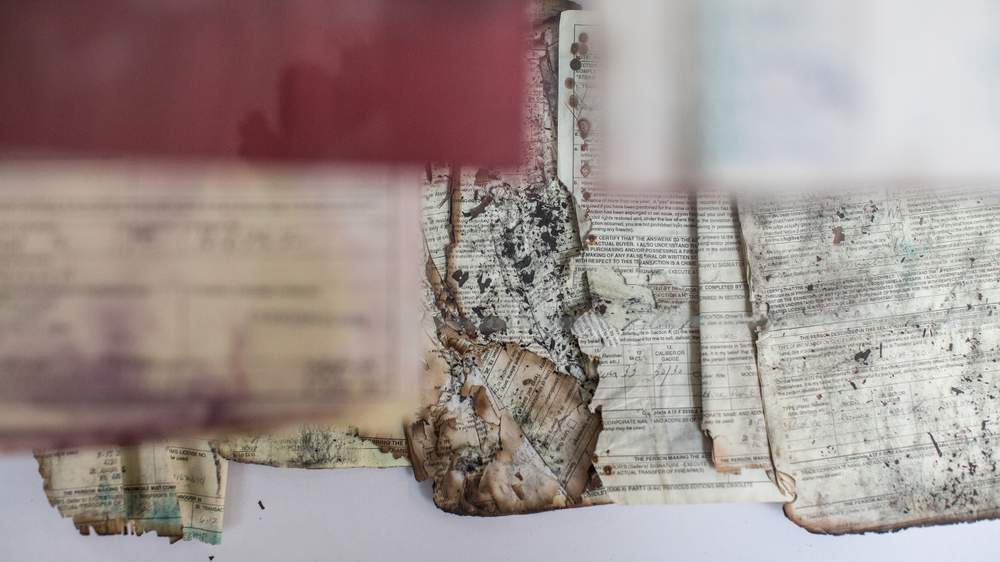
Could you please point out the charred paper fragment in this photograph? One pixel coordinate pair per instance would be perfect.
(176, 489)
(509, 435)
(509, 268)
(878, 354)
(512, 231)
(510, 430)
(511, 236)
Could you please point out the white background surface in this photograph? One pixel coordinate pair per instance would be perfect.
(367, 514)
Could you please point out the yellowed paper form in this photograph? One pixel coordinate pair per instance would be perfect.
(641, 268)
(732, 411)
(879, 354)
(642, 333)
(316, 446)
(174, 489)
(175, 301)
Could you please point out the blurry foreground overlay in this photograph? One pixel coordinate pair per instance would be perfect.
(143, 302)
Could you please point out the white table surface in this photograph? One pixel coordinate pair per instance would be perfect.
(384, 515)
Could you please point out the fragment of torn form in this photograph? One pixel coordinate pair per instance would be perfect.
(508, 270)
(511, 434)
(509, 431)
(436, 211)
(316, 446)
(879, 358)
(505, 433)
(176, 489)
(640, 264)
(579, 136)
(732, 411)
(513, 232)
(651, 448)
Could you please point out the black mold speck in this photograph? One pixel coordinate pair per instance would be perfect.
(484, 282)
(460, 276)
(862, 356)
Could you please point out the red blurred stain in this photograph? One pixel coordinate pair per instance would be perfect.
(293, 80)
